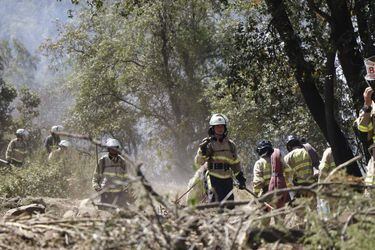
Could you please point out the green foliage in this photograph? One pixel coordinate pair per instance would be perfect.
(154, 70)
(7, 94)
(360, 235)
(27, 107)
(18, 68)
(35, 180)
(19, 64)
(257, 90)
(145, 61)
(70, 177)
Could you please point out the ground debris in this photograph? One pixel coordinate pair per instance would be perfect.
(150, 225)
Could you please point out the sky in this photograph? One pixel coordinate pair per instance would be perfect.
(32, 21)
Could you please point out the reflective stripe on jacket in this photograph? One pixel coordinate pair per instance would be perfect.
(365, 123)
(300, 162)
(111, 174)
(16, 151)
(221, 152)
(262, 175)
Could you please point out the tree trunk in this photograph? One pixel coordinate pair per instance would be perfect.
(350, 57)
(307, 82)
(332, 129)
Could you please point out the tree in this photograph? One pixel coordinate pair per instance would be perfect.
(145, 60)
(27, 108)
(341, 40)
(19, 64)
(7, 95)
(257, 89)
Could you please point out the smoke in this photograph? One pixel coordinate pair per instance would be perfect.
(31, 22)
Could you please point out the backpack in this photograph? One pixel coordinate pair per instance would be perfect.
(277, 180)
(313, 155)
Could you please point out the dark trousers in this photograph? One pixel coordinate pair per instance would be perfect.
(221, 187)
(113, 198)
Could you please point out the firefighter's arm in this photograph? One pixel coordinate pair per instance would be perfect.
(325, 164)
(8, 153)
(199, 159)
(98, 175)
(288, 171)
(364, 121)
(235, 165)
(234, 162)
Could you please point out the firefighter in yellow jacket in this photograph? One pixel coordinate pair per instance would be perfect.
(111, 176)
(263, 168)
(219, 155)
(365, 123)
(17, 148)
(62, 152)
(300, 162)
(327, 164)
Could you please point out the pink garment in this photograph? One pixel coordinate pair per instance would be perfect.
(277, 180)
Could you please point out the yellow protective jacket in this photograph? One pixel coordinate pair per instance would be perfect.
(16, 151)
(224, 152)
(365, 124)
(263, 172)
(327, 164)
(109, 172)
(262, 175)
(300, 162)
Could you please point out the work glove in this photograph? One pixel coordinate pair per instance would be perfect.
(97, 188)
(241, 180)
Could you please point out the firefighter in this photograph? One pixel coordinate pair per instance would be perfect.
(263, 168)
(327, 164)
(300, 162)
(313, 155)
(110, 176)
(61, 152)
(365, 123)
(219, 155)
(52, 141)
(17, 148)
(326, 205)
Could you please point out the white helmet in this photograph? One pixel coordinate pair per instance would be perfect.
(113, 143)
(22, 132)
(65, 143)
(219, 119)
(57, 128)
